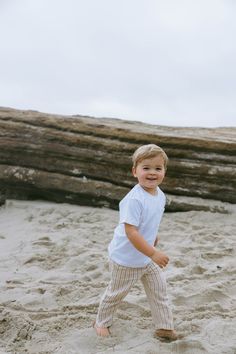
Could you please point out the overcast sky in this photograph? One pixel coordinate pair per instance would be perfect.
(168, 62)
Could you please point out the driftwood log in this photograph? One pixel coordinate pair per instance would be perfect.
(87, 161)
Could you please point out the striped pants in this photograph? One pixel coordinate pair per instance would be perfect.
(122, 280)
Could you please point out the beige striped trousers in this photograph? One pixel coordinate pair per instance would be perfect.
(122, 280)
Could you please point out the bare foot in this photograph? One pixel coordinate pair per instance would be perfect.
(101, 331)
(167, 334)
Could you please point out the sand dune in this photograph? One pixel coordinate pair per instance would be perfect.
(54, 269)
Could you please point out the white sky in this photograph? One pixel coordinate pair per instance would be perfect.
(168, 62)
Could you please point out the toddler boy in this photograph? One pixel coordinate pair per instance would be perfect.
(132, 251)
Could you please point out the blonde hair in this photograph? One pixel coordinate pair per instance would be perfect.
(148, 151)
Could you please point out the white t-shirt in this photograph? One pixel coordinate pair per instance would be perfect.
(143, 210)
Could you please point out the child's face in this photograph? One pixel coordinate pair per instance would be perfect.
(150, 173)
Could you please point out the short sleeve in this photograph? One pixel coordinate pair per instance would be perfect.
(130, 211)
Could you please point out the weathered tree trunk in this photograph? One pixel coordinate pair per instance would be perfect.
(87, 160)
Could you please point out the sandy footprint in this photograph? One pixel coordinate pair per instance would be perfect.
(44, 241)
(189, 347)
(207, 297)
(15, 327)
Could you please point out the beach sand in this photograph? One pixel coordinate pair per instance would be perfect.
(54, 269)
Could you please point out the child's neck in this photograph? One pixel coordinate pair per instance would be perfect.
(150, 191)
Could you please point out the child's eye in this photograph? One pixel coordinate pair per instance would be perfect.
(146, 168)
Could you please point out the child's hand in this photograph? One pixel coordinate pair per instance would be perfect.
(160, 258)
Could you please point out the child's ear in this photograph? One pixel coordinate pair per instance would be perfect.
(134, 171)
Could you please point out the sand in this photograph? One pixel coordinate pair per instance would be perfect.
(54, 268)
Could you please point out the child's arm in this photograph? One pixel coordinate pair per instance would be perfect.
(142, 246)
(156, 241)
